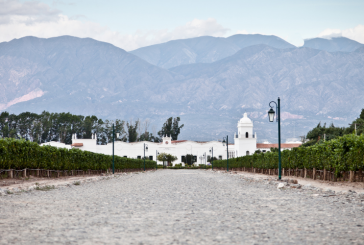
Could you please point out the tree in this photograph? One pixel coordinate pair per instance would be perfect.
(164, 157)
(132, 131)
(362, 114)
(89, 125)
(171, 128)
(317, 135)
(4, 124)
(146, 135)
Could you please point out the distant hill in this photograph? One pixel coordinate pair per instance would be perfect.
(75, 74)
(203, 49)
(334, 44)
(85, 76)
(310, 80)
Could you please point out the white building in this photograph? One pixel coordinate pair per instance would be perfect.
(290, 143)
(245, 143)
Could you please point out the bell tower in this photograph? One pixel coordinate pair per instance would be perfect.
(245, 141)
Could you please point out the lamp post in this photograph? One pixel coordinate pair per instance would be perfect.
(113, 143)
(204, 157)
(156, 157)
(271, 114)
(145, 148)
(212, 157)
(226, 140)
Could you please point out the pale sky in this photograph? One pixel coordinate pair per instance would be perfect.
(136, 23)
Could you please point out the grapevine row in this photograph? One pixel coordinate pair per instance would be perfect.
(22, 154)
(342, 154)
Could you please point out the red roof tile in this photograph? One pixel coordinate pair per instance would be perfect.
(178, 141)
(285, 145)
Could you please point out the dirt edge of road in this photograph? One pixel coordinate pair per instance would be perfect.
(325, 185)
(41, 183)
(26, 185)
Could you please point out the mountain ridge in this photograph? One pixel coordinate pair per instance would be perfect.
(84, 76)
(204, 49)
(334, 44)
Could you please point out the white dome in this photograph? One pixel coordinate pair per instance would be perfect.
(245, 121)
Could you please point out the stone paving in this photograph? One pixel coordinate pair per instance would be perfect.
(182, 207)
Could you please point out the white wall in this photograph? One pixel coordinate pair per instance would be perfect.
(56, 144)
(135, 149)
(178, 149)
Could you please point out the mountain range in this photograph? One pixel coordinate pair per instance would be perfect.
(209, 82)
(203, 49)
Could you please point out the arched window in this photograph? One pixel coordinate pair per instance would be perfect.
(247, 153)
(246, 135)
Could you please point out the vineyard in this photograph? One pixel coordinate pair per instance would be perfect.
(20, 155)
(338, 159)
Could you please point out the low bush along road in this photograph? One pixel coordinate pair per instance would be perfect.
(181, 207)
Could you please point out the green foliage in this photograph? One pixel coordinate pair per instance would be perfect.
(321, 133)
(146, 136)
(342, 154)
(171, 128)
(362, 114)
(46, 127)
(209, 158)
(164, 157)
(21, 154)
(132, 131)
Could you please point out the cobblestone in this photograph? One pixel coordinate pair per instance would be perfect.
(182, 207)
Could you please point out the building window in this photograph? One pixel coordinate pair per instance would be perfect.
(151, 158)
(220, 157)
(139, 157)
(264, 150)
(125, 156)
(246, 135)
(231, 154)
(247, 153)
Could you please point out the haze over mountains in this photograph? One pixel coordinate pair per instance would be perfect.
(203, 49)
(342, 44)
(209, 82)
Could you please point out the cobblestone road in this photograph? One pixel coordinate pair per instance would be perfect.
(180, 207)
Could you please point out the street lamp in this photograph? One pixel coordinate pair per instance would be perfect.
(212, 157)
(204, 156)
(156, 157)
(271, 114)
(145, 148)
(226, 141)
(113, 143)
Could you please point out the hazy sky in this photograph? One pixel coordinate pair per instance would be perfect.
(136, 23)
